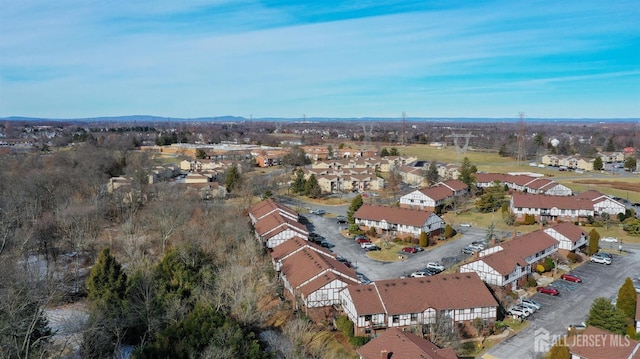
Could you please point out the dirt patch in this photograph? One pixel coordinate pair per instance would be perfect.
(625, 186)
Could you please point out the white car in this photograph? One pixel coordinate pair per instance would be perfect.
(418, 274)
(437, 266)
(518, 312)
(529, 306)
(609, 239)
(601, 260)
(531, 302)
(367, 245)
(465, 225)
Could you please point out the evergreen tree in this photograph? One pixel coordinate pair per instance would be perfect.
(627, 297)
(107, 283)
(630, 163)
(356, 203)
(329, 152)
(559, 351)
(233, 179)
(384, 152)
(594, 240)
(312, 188)
(605, 316)
(299, 182)
(432, 175)
(597, 164)
(467, 171)
(424, 239)
(394, 152)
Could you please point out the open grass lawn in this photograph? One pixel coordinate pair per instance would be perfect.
(627, 187)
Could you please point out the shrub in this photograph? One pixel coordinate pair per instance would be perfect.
(513, 295)
(540, 268)
(355, 229)
(424, 240)
(372, 231)
(548, 264)
(344, 325)
(501, 325)
(529, 219)
(397, 240)
(531, 282)
(358, 341)
(574, 258)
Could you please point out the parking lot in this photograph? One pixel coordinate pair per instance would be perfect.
(570, 307)
(448, 253)
(573, 304)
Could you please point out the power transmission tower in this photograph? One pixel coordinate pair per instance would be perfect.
(403, 138)
(520, 155)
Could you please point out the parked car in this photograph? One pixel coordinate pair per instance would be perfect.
(465, 225)
(478, 247)
(326, 244)
(470, 250)
(363, 279)
(410, 249)
(518, 312)
(548, 290)
(419, 274)
(571, 278)
(531, 307)
(344, 260)
(600, 259)
(366, 245)
(609, 239)
(524, 308)
(358, 236)
(318, 212)
(435, 266)
(341, 219)
(418, 248)
(373, 248)
(363, 240)
(604, 254)
(532, 303)
(577, 328)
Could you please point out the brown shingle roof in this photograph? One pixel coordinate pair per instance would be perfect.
(306, 264)
(516, 250)
(275, 220)
(437, 193)
(569, 230)
(295, 244)
(415, 295)
(608, 345)
(268, 206)
(403, 345)
(454, 184)
(527, 200)
(322, 281)
(396, 215)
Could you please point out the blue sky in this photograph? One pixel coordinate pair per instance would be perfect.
(549, 59)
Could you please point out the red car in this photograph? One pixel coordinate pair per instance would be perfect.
(409, 249)
(548, 290)
(571, 278)
(363, 240)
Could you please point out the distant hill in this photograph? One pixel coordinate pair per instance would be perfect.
(229, 118)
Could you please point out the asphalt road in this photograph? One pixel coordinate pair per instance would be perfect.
(572, 305)
(447, 254)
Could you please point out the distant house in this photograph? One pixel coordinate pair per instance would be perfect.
(509, 263)
(399, 220)
(569, 236)
(446, 299)
(611, 157)
(607, 345)
(427, 198)
(523, 183)
(603, 203)
(551, 208)
(394, 343)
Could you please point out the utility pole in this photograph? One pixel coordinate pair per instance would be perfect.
(520, 156)
(403, 140)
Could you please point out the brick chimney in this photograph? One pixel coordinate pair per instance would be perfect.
(384, 354)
